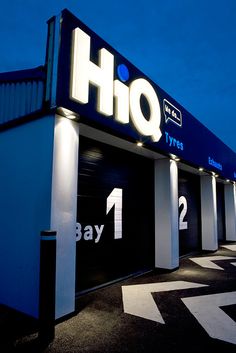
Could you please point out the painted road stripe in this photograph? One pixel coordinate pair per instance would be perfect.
(206, 309)
(207, 261)
(138, 300)
(229, 247)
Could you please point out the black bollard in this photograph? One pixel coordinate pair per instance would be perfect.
(47, 286)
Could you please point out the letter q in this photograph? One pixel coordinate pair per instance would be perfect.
(146, 127)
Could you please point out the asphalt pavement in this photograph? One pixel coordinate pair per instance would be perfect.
(190, 310)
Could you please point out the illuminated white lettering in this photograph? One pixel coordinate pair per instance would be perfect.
(167, 109)
(85, 71)
(121, 93)
(146, 127)
(172, 113)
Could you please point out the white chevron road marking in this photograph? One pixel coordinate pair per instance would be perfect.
(206, 309)
(229, 247)
(138, 300)
(207, 261)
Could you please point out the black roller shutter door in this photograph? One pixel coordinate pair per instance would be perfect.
(220, 211)
(112, 178)
(189, 213)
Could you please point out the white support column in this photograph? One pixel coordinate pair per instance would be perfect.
(63, 210)
(209, 213)
(230, 212)
(166, 214)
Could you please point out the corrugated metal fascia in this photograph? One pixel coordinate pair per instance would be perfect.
(21, 93)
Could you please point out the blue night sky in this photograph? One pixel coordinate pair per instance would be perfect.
(188, 47)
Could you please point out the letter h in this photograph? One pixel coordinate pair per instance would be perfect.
(85, 72)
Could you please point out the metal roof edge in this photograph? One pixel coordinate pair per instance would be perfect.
(37, 73)
(26, 118)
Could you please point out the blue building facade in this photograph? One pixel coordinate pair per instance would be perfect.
(93, 149)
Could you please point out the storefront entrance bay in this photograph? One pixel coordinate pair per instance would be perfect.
(115, 214)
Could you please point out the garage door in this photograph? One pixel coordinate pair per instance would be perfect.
(220, 211)
(189, 213)
(115, 214)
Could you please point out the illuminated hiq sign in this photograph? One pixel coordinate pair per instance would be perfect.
(127, 99)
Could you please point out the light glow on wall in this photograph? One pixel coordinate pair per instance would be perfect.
(139, 144)
(63, 209)
(174, 157)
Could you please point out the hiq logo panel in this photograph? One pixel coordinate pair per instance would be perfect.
(107, 91)
(114, 97)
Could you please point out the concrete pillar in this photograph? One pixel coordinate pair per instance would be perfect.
(166, 214)
(209, 213)
(64, 210)
(230, 212)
